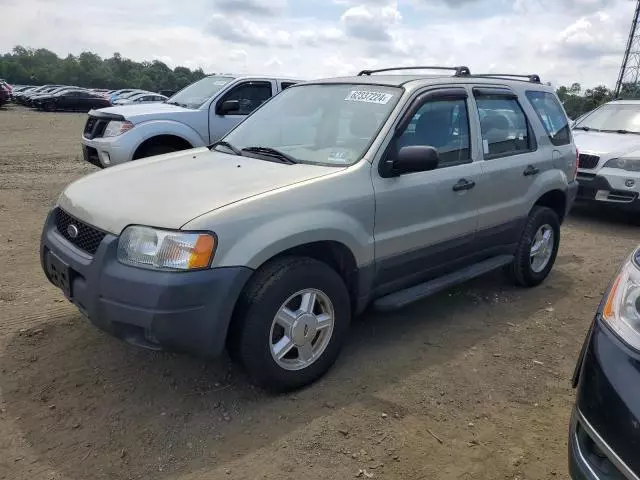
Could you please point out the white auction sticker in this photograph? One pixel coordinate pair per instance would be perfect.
(369, 97)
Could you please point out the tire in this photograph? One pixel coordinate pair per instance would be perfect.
(158, 149)
(49, 107)
(522, 271)
(255, 331)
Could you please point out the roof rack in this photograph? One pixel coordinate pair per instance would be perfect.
(460, 71)
(533, 78)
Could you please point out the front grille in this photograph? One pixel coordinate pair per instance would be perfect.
(588, 161)
(88, 238)
(94, 127)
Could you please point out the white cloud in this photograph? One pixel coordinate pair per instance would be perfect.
(563, 40)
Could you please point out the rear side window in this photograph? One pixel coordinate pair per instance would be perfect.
(504, 127)
(552, 116)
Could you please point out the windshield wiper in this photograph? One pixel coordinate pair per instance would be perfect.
(222, 143)
(621, 130)
(271, 152)
(178, 104)
(587, 129)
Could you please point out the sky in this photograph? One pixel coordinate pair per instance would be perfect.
(564, 41)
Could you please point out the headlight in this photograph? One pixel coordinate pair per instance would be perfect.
(622, 308)
(115, 128)
(630, 164)
(165, 249)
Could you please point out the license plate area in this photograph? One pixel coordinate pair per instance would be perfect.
(59, 273)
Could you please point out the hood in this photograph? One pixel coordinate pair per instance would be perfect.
(606, 144)
(148, 111)
(170, 190)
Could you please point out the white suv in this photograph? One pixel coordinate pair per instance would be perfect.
(196, 116)
(608, 140)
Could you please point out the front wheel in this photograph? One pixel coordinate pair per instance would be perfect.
(536, 253)
(50, 107)
(291, 323)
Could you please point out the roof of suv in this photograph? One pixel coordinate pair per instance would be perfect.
(404, 80)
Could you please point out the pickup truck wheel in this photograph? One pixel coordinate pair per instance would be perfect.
(536, 253)
(159, 149)
(290, 323)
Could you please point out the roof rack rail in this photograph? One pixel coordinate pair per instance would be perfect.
(460, 71)
(533, 78)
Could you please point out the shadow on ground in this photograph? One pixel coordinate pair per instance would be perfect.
(93, 407)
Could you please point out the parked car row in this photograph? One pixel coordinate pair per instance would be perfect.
(65, 97)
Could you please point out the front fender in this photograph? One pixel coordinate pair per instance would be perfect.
(154, 128)
(268, 239)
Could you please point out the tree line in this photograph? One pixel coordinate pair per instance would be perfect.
(40, 66)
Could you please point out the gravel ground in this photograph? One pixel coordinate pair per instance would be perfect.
(473, 383)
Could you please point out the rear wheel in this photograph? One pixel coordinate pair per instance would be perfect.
(536, 253)
(291, 323)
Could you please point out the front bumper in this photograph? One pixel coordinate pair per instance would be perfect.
(614, 188)
(105, 152)
(605, 428)
(180, 311)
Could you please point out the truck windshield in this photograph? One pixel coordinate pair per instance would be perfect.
(197, 93)
(328, 124)
(614, 117)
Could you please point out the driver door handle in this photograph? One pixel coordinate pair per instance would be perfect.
(464, 184)
(530, 170)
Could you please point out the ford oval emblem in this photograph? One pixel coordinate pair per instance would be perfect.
(72, 231)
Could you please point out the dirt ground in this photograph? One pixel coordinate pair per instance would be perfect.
(471, 384)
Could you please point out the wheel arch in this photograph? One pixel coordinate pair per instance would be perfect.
(556, 200)
(162, 139)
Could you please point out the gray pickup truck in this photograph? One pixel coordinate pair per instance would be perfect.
(198, 115)
(334, 195)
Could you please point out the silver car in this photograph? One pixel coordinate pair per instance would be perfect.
(608, 139)
(334, 195)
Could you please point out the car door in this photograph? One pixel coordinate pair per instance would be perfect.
(425, 222)
(251, 94)
(511, 163)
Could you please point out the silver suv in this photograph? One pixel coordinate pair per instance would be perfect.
(608, 139)
(198, 115)
(335, 194)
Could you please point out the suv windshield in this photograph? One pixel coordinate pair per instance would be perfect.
(613, 117)
(197, 93)
(328, 124)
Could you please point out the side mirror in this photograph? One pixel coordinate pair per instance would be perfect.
(228, 107)
(416, 158)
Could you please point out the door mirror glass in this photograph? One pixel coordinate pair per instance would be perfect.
(228, 106)
(416, 158)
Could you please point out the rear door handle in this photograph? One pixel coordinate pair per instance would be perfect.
(464, 184)
(531, 170)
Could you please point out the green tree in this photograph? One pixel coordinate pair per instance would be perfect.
(24, 65)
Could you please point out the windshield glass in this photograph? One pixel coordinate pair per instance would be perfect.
(613, 117)
(330, 124)
(197, 93)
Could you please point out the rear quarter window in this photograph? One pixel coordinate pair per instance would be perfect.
(552, 116)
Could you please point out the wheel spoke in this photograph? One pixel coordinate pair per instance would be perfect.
(285, 319)
(308, 302)
(535, 249)
(305, 352)
(284, 345)
(546, 237)
(324, 321)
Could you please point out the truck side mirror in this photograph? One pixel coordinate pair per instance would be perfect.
(228, 106)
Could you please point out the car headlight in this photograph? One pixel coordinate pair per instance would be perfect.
(622, 307)
(629, 164)
(116, 127)
(165, 249)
